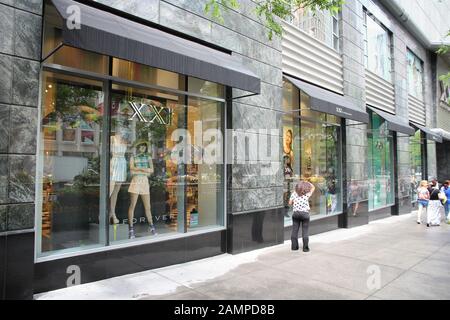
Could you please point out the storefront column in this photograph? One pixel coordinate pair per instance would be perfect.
(395, 209)
(343, 218)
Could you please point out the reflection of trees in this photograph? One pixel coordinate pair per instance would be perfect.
(74, 105)
(69, 99)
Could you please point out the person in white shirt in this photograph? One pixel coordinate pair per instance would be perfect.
(300, 201)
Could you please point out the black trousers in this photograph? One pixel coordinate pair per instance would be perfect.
(302, 218)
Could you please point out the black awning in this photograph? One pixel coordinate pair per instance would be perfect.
(115, 36)
(430, 135)
(395, 123)
(325, 101)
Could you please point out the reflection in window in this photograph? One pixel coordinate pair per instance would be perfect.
(381, 173)
(321, 25)
(377, 48)
(160, 182)
(71, 168)
(415, 75)
(320, 146)
(416, 163)
(311, 151)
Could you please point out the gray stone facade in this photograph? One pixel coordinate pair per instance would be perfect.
(20, 51)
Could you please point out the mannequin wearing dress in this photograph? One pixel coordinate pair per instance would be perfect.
(141, 167)
(118, 172)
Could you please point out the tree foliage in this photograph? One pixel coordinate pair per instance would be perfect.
(272, 10)
(444, 50)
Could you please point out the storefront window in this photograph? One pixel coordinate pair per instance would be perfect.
(311, 149)
(321, 166)
(377, 48)
(165, 161)
(70, 168)
(416, 163)
(160, 182)
(381, 173)
(415, 75)
(321, 25)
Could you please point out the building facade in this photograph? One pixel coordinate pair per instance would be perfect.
(140, 134)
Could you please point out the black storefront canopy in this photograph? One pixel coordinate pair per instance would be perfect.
(429, 134)
(395, 123)
(328, 102)
(115, 36)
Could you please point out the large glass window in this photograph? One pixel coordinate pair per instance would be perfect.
(377, 45)
(321, 25)
(161, 179)
(415, 75)
(165, 163)
(311, 152)
(416, 163)
(381, 164)
(72, 115)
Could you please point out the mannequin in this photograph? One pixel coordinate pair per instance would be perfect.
(141, 167)
(288, 160)
(118, 171)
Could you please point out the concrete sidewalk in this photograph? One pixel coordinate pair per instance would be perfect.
(389, 259)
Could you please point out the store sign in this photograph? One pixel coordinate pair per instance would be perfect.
(341, 111)
(149, 113)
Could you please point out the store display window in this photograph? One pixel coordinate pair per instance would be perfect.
(160, 174)
(381, 164)
(311, 152)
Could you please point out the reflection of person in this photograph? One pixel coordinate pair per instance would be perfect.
(118, 171)
(141, 167)
(354, 197)
(332, 196)
(423, 197)
(257, 227)
(300, 201)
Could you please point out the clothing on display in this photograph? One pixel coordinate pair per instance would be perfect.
(118, 171)
(139, 183)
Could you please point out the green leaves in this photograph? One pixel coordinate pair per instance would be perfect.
(215, 7)
(271, 11)
(444, 50)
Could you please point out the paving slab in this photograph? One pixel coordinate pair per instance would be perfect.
(416, 286)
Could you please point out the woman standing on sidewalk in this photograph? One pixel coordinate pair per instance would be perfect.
(300, 200)
(434, 206)
(446, 190)
(423, 197)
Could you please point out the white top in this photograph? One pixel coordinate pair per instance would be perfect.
(301, 203)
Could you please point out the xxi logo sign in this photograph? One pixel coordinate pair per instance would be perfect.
(159, 114)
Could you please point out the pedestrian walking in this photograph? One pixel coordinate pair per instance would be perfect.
(423, 197)
(446, 190)
(301, 216)
(434, 206)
